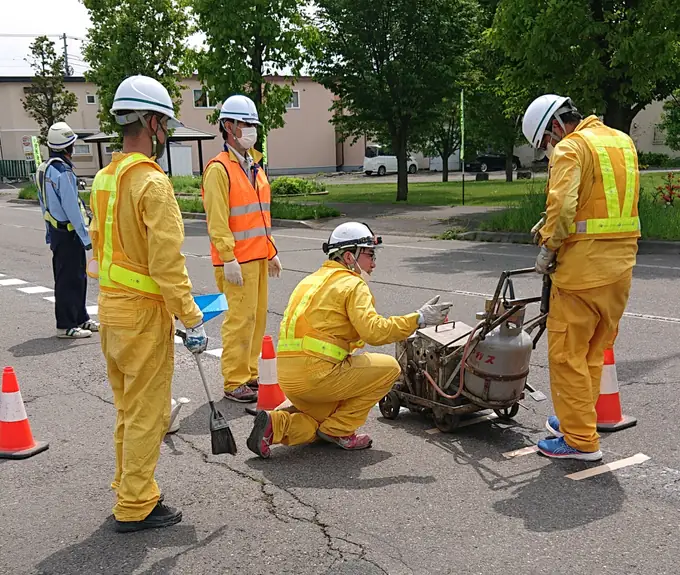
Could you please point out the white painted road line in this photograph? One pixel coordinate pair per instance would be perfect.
(593, 471)
(35, 289)
(92, 309)
(12, 282)
(178, 339)
(2, 275)
(215, 352)
(50, 298)
(520, 452)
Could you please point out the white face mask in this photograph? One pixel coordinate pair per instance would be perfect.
(248, 137)
(361, 271)
(549, 150)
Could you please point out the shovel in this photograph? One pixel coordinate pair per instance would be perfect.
(221, 437)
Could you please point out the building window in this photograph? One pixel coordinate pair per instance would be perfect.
(201, 99)
(659, 138)
(82, 150)
(108, 149)
(91, 98)
(294, 103)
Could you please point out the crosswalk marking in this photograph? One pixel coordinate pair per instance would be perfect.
(50, 298)
(12, 282)
(35, 289)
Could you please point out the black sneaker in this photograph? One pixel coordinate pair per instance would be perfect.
(161, 516)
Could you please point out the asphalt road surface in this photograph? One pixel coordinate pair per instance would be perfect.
(418, 502)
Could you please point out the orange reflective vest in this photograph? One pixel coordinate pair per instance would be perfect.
(115, 271)
(249, 213)
(608, 205)
(297, 337)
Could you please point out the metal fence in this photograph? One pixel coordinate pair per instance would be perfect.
(17, 169)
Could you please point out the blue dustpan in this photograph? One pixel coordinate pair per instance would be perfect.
(211, 305)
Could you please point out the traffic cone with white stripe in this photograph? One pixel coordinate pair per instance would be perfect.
(16, 439)
(269, 394)
(609, 415)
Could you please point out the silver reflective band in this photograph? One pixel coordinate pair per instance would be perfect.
(248, 209)
(252, 233)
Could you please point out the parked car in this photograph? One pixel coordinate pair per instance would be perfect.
(491, 163)
(380, 160)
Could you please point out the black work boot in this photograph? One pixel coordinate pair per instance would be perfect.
(161, 516)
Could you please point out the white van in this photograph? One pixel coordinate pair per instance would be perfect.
(380, 160)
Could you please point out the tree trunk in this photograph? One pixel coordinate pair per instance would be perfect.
(509, 149)
(619, 116)
(445, 169)
(399, 145)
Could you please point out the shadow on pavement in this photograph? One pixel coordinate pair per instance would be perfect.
(323, 466)
(106, 551)
(46, 345)
(197, 422)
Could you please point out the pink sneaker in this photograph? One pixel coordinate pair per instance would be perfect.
(352, 442)
(261, 436)
(242, 394)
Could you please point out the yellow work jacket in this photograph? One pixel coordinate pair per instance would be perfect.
(237, 213)
(332, 312)
(137, 235)
(592, 206)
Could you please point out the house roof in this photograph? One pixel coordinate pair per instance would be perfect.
(183, 134)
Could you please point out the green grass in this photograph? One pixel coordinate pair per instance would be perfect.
(186, 184)
(30, 192)
(657, 222)
(279, 210)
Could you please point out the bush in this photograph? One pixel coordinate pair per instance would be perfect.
(656, 160)
(186, 184)
(520, 217)
(29, 192)
(288, 186)
(279, 209)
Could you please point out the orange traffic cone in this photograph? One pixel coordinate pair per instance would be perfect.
(16, 439)
(608, 407)
(269, 394)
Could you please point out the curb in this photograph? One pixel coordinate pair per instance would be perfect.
(276, 223)
(26, 202)
(645, 247)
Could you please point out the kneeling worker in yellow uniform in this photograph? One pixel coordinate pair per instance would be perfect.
(330, 314)
(137, 234)
(588, 241)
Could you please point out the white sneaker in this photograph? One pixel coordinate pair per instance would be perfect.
(90, 325)
(73, 333)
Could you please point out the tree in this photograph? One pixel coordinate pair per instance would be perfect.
(671, 121)
(610, 57)
(47, 100)
(443, 139)
(391, 64)
(130, 37)
(246, 42)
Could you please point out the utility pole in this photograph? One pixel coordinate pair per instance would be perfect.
(66, 69)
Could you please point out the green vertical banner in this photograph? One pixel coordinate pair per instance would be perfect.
(36, 151)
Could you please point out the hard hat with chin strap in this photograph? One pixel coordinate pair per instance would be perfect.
(138, 94)
(539, 115)
(60, 136)
(351, 235)
(240, 108)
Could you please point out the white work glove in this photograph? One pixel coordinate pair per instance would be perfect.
(232, 272)
(432, 312)
(275, 267)
(196, 340)
(539, 224)
(545, 262)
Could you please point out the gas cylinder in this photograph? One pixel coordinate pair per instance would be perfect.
(497, 368)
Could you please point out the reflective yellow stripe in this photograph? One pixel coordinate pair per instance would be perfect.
(48, 217)
(108, 271)
(308, 343)
(617, 220)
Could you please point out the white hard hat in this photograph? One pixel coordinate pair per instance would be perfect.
(539, 114)
(143, 94)
(351, 235)
(60, 136)
(240, 108)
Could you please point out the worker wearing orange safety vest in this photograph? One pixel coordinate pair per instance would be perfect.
(236, 196)
(588, 238)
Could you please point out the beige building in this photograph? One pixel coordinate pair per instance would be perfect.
(306, 144)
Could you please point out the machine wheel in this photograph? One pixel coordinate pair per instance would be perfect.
(507, 412)
(446, 422)
(389, 405)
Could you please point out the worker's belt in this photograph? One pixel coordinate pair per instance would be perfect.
(312, 345)
(57, 224)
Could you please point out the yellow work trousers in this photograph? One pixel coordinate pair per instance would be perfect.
(333, 398)
(581, 325)
(138, 344)
(244, 323)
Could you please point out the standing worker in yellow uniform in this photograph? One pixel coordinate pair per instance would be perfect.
(236, 196)
(588, 238)
(330, 314)
(137, 234)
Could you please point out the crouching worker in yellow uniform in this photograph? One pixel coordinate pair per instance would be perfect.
(330, 314)
(137, 234)
(588, 241)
